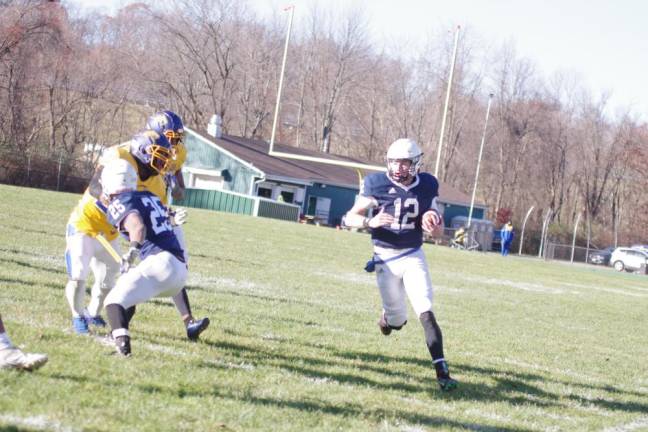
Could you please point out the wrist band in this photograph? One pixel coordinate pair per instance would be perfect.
(136, 245)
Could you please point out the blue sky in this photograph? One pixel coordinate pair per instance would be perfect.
(603, 42)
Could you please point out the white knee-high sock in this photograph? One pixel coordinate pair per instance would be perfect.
(5, 342)
(97, 297)
(75, 293)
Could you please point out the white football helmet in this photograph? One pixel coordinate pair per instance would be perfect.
(118, 176)
(404, 148)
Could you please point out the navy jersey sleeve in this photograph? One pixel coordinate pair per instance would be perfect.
(120, 207)
(368, 186)
(431, 185)
(159, 232)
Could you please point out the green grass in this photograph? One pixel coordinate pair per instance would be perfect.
(294, 344)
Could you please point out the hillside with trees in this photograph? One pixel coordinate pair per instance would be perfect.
(71, 83)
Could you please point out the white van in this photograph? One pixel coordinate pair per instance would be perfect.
(629, 259)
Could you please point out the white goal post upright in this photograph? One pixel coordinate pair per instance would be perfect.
(272, 152)
(447, 101)
(281, 77)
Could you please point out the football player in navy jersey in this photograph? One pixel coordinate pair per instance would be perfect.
(142, 218)
(404, 204)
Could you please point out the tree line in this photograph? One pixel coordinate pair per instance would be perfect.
(72, 82)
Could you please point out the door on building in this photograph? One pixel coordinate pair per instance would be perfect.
(319, 207)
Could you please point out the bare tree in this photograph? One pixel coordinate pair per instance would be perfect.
(340, 53)
(515, 109)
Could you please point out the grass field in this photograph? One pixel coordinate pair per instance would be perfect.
(294, 345)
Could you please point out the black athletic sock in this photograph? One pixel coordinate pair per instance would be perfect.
(129, 314)
(118, 316)
(181, 301)
(433, 337)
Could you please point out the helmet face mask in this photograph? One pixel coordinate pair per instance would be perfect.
(399, 151)
(400, 170)
(160, 158)
(152, 149)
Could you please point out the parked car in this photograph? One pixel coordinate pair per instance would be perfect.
(641, 247)
(601, 257)
(628, 259)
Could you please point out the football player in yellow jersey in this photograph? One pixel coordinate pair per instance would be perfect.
(170, 125)
(84, 253)
(88, 219)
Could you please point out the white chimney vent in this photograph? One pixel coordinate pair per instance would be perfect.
(215, 126)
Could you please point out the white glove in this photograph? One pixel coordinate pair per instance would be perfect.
(178, 217)
(128, 259)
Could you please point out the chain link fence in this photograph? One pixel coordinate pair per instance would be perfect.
(563, 252)
(60, 174)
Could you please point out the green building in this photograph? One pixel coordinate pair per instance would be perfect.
(235, 174)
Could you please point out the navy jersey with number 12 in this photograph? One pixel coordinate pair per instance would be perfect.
(159, 232)
(406, 203)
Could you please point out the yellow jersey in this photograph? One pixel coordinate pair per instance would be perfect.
(89, 217)
(179, 157)
(154, 184)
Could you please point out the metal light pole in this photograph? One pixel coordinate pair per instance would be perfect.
(281, 76)
(574, 237)
(58, 176)
(524, 226)
(481, 150)
(543, 235)
(447, 100)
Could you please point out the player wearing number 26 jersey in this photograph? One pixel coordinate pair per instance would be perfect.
(404, 205)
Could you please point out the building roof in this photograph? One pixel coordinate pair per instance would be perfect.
(255, 152)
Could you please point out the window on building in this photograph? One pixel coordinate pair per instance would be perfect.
(264, 192)
(288, 196)
(312, 205)
(206, 181)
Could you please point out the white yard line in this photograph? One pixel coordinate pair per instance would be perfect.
(360, 278)
(611, 290)
(540, 288)
(524, 286)
(639, 424)
(230, 365)
(159, 348)
(37, 422)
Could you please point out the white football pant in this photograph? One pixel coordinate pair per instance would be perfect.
(82, 254)
(407, 276)
(179, 233)
(159, 275)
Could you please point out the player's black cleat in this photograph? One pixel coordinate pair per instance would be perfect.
(443, 376)
(97, 321)
(194, 328)
(384, 327)
(122, 344)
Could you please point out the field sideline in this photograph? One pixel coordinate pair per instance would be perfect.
(294, 346)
